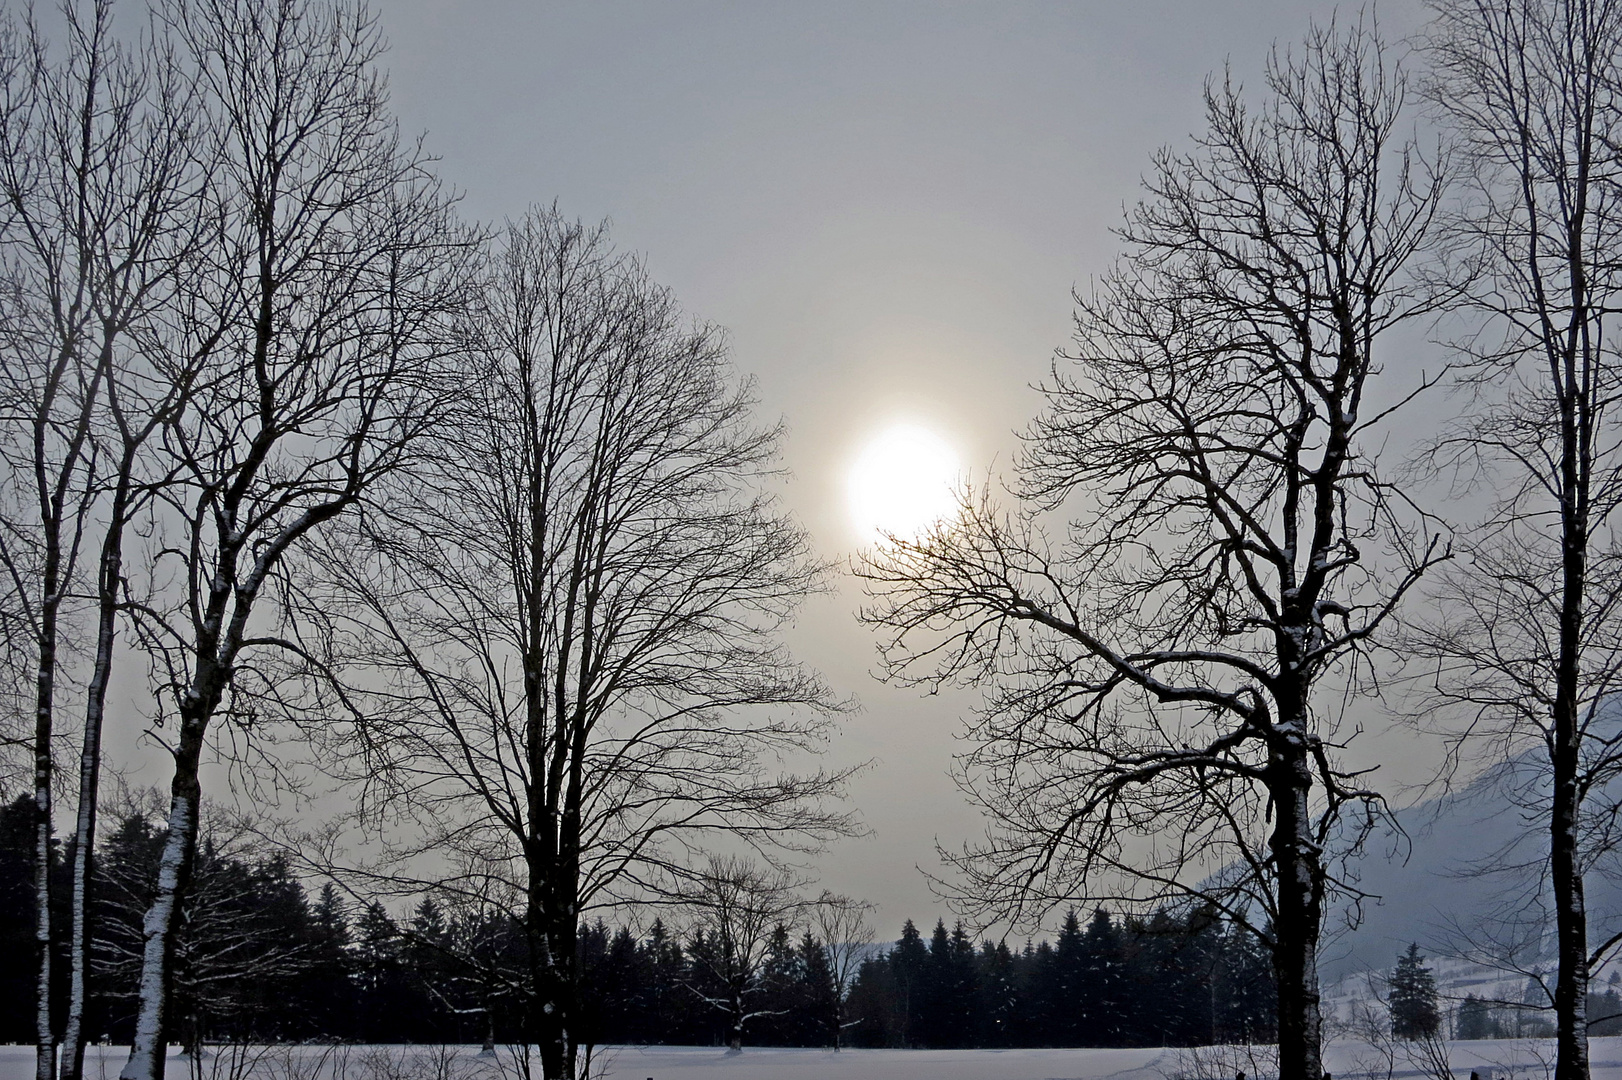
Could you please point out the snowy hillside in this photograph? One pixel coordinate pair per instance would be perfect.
(1455, 980)
(1428, 894)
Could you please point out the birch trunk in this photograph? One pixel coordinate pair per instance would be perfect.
(147, 1052)
(84, 833)
(53, 491)
(45, 1041)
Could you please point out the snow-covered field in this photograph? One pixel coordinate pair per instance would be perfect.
(1516, 1059)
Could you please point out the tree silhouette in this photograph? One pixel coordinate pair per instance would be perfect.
(1414, 1014)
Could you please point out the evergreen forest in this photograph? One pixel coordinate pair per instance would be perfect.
(263, 958)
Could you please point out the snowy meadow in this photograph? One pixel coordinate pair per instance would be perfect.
(1501, 1059)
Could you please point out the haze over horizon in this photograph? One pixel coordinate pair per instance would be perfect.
(886, 206)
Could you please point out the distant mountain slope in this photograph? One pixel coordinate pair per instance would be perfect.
(1431, 894)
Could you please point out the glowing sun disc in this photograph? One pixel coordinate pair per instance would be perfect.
(902, 483)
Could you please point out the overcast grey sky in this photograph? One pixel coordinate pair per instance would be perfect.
(886, 204)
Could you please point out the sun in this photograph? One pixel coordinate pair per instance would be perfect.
(901, 483)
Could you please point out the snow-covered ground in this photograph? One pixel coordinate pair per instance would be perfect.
(1516, 1059)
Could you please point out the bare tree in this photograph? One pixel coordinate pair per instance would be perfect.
(116, 123)
(1527, 642)
(574, 608)
(1155, 724)
(737, 905)
(50, 395)
(847, 937)
(332, 271)
(101, 202)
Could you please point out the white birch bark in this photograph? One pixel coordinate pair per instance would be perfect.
(84, 831)
(147, 1052)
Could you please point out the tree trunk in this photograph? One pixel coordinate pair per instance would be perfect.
(550, 950)
(1565, 873)
(84, 833)
(551, 1016)
(1300, 910)
(735, 1036)
(1571, 928)
(146, 1061)
(45, 685)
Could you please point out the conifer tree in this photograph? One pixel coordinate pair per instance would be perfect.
(1245, 991)
(781, 986)
(999, 997)
(961, 993)
(1069, 983)
(664, 992)
(16, 918)
(936, 1023)
(819, 993)
(382, 992)
(1101, 983)
(909, 962)
(1413, 997)
(1475, 1019)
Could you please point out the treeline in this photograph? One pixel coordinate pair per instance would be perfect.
(1479, 1018)
(1166, 980)
(261, 958)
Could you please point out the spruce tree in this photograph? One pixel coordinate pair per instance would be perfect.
(1069, 985)
(1413, 997)
(777, 995)
(961, 993)
(17, 919)
(937, 1026)
(667, 998)
(1476, 1020)
(998, 1000)
(1247, 996)
(817, 994)
(1099, 1020)
(909, 962)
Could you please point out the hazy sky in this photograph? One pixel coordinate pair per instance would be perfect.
(887, 206)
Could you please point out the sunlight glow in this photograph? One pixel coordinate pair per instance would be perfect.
(902, 483)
